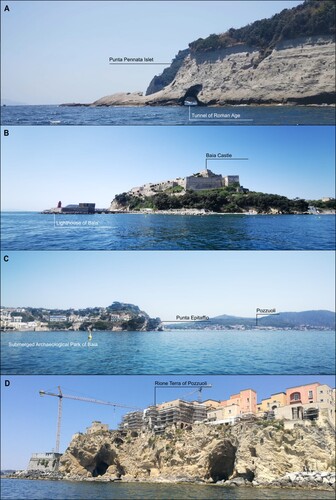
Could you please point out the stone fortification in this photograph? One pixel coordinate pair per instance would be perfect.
(205, 179)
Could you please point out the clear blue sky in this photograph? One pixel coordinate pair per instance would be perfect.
(54, 52)
(42, 165)
(184, 283)
(28, 421)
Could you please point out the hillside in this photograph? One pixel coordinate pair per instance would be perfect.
(223, 200)
(116, 317)
(313, 17)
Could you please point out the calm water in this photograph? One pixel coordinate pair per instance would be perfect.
(177, 352)
(34, 231)
(53, 490)
(166, 115)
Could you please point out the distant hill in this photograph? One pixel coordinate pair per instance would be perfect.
(294, 320)
(318, 319)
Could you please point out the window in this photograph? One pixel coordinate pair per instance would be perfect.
(310, 394)
(295, 396)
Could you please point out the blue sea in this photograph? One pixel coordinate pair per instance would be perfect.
(34, 231)
(167, 115)
(206, 352)
(15, 489)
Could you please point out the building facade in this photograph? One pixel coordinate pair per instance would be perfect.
(313, 401)
(46, 462)
(97, 426)
(270, 404)
(157, 418)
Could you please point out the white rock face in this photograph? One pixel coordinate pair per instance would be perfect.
(300, 71)
(296, 69)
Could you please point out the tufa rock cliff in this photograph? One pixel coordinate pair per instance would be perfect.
(286, 59)
(299, 71)
(246, 453)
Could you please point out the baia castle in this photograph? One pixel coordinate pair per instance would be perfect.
(205, 179)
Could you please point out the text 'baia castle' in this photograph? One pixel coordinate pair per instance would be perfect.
(205, 179)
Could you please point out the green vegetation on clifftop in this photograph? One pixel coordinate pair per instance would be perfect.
(223, 200)
(313, 17)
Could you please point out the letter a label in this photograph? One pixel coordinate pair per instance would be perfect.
(6, 9)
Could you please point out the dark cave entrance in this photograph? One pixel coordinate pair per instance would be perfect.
(102, 460)
(221, 462)
(190, 98)
(248, 475)
(101, 468)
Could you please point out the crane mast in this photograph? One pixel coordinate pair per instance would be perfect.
(59, 418)
(61, 396)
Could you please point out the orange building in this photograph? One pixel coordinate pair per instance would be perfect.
(302, 394)
(212, 403)
(246, 400)
(269, 404)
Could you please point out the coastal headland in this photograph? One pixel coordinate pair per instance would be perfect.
(288, 59)
(202, 193)
(247, 454)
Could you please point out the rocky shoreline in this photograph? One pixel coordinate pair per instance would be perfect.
(317, 480)
(202, 212)
(125, 101)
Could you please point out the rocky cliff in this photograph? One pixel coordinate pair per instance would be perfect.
(299, 71)
(286, 59)
(249, 452)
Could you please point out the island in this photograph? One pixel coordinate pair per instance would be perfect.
(201, 193)
(205, 192)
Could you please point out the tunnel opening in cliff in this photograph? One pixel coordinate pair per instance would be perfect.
(191, 96)
(221, 461)
(101, 461)
(101, 468)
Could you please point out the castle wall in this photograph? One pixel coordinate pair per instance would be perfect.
(199, 183)
(205, 180)
(229, 180)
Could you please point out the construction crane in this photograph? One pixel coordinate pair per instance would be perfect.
(62, 396)
(199, 390)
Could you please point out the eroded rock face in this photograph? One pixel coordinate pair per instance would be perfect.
(248, 451)
(300, 71)
(167, 76)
